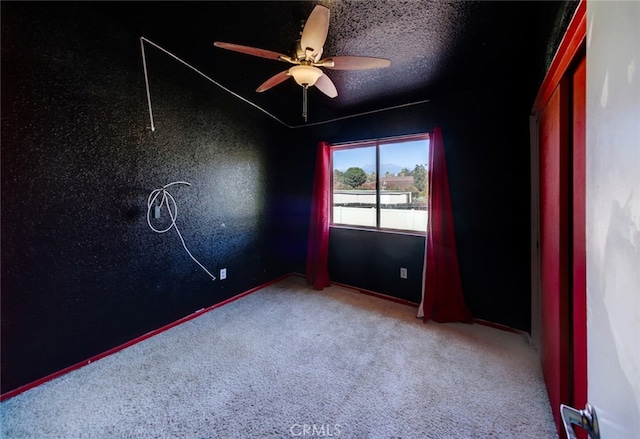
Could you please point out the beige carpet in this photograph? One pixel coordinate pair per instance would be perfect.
(289, 361)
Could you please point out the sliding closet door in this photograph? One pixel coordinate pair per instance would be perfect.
(554, 245)
(558, 211)
(562, 168)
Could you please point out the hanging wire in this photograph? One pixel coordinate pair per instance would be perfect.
(146, 82)
(144, 61)
(173, 214)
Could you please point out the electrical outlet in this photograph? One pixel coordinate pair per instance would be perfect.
(223, 273)
(403, 273)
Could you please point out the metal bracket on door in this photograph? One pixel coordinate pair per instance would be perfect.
(586, 419)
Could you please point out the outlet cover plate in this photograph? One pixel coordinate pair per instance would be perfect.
(403, 273)
(223, 273)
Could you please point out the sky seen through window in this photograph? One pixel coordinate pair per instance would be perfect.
(394, 156)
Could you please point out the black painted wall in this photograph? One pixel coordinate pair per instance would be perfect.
(486, 146)
(81, 270)
(351, 261)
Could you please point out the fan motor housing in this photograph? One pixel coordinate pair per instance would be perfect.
(296, 51)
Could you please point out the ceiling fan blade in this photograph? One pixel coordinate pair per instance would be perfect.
(273, 81)
(315, 32)
(354, 63)
(262, 53)
(326, 86)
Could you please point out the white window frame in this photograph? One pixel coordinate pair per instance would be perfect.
(377, 143)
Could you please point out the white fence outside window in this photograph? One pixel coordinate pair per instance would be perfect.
(401, 219)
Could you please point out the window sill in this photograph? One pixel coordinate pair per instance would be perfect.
(373, 229)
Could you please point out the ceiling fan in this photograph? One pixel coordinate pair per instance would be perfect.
(306, 55)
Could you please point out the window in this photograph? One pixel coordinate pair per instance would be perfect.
(381, 184)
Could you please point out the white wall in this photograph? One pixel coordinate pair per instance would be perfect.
(613, 215)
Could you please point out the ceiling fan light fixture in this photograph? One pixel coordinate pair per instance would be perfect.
(305, 75)
(306, 53)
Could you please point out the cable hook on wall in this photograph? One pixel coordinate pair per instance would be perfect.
(168, 201)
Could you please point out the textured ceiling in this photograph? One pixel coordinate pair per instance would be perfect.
(434, 47)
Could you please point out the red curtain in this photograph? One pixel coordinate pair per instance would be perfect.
(442, 298)
(318, 246)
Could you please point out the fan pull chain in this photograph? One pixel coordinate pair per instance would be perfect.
(304, 101)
